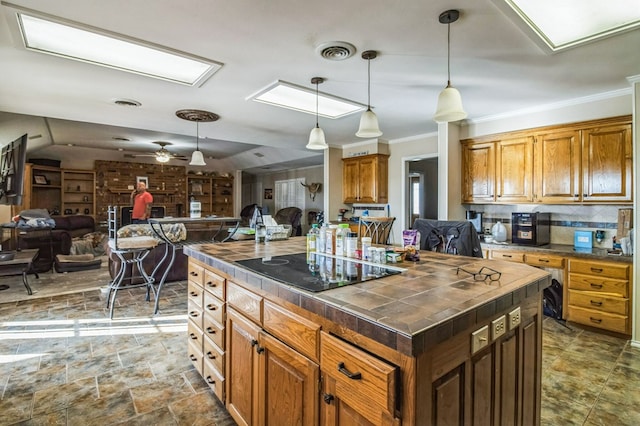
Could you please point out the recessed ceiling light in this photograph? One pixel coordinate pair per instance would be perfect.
(573, 22)
(298, 98)
(70, 144)
(100, 47)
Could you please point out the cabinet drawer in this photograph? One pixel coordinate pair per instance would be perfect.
(544, 261)
(195, 313)
(213, 353)
(599, 284)
(297, 332)
(371, 381)
(513, 256)
(195, 355)
(599, 319)
(214, 284)
(601, 269)
(196, 273)
(247, 302)
(213, 330)
(214, 307)
(194, 293)
(195, 334)
(599, 302)
(214, 379)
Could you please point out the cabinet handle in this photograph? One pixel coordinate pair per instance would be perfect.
(212, 307)
(597, 270)
(259, 349)
(211, 330)
(211, 355)
(596, 303)
(194, 294)
(328, 398)
(507, 255)
(193, 273)
(544, 260)
(594, 285)
(211, 284)
(193, 357)
(254, 342)
(193, 336)
(193, 314)
(596, 320)
(352, 376)
(210, 380)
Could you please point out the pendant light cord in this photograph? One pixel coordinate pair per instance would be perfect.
(197, 136)
(448, 54)
(368, 84)
(317, 112)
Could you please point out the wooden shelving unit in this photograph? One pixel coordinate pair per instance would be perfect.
(199, 188)
(222, 196)
(79, 192)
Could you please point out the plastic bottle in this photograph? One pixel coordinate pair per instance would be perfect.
(321, 240)
(499, 232)
(351, 244)
(312, 238)
(341, 239)
(365, 244)
(330, 247)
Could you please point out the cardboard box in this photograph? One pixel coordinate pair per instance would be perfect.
(625, 222)
(583, 239)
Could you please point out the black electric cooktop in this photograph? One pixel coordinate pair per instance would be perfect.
(323, 273)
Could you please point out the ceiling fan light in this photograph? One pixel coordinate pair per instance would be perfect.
(316, 139)
(449, 106)
(197, 159)
(163, 158)
(369, 127)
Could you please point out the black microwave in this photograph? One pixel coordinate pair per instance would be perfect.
(533, 229)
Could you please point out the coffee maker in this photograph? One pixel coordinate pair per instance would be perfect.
(476, 219)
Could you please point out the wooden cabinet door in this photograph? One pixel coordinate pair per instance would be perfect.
(350, 182)
(289, 387)
(478, 172)
(242, 369)
(606, 163)
(335, 411)
(557, 167)
(514, 170)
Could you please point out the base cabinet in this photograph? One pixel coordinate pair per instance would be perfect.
(498, 384)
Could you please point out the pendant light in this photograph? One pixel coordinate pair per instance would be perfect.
(316, 137)
(197, 159)
(369, 127)
(449, 101)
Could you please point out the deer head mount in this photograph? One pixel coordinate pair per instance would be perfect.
(313, 188)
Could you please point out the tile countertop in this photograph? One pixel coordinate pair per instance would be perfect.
(562, 250)
(425, 305)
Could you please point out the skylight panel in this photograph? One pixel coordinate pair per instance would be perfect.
(74, 42)
(287, 95)
(567, 23)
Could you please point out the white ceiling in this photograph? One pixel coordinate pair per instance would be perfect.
(495, 63)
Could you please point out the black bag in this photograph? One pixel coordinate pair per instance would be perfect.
(552, 300)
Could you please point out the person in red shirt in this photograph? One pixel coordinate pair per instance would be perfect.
(141, 201)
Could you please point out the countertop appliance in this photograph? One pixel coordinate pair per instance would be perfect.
(327, 272)
(532, 229)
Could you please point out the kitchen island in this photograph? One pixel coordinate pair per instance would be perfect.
(431, 345)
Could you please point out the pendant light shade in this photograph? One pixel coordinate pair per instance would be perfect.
(197, 159)
(369, 127)
(316, 137)
(449, 106)
(197, 115)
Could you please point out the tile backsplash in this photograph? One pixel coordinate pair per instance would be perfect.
(565, 219)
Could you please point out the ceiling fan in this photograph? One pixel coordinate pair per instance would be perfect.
(162, 155)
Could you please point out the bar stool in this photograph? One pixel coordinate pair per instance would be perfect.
(131, 251)
(378, 228)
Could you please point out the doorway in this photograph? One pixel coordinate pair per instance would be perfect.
(422, 189)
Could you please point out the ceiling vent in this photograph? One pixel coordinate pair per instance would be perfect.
(127, 102)
(336, 50)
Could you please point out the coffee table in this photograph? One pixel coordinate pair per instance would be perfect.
(20, 264)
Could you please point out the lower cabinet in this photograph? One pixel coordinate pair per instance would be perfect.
(496, 384)
(268, 382)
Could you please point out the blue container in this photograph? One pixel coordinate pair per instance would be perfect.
(583, 239)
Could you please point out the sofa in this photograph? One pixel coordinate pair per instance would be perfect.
(54, 241)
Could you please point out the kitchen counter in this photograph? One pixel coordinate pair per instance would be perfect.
(562, 250)
(408, 312)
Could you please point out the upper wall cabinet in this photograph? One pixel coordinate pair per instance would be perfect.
(586, 162)
(365, 179)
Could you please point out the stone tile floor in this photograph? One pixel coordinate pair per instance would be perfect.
(62, 362)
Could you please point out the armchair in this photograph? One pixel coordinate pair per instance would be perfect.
(290, 216)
